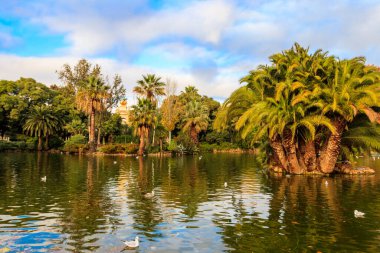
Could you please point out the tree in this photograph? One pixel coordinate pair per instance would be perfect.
(300, 106)
(143, 116)
(42, 123)
(150, 87)
(171, 109)
(195, 119)
(91, 99)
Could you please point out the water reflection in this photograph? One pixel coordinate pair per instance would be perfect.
(92, 204)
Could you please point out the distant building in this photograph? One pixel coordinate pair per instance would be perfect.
(123, 112)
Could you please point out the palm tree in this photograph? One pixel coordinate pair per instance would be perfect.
(302, 104)
(42, 122)
(91, 99)
(352, 90)
(150, 87)
(195, 119)
(143, 116)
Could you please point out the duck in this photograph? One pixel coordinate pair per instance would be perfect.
(200, 158)
(358, 214)
(149, 195)
(43, 179)
(225, 184)
(326, 183)
(114, 162)
(132, 244)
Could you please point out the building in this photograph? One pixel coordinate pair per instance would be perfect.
(123, 111)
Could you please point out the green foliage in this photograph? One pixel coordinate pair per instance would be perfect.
(126, 138)
(76, 139)
(172, 145)
(207, 147)
(129, 148)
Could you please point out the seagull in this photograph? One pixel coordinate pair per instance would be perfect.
(43, 179)
(200, 157)
(114, 162)
(137, 157)
(358, 214)
(132, 244)
(225, 184)
(149, 195)
(326, 183)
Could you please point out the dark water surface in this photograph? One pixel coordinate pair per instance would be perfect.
(92, 204)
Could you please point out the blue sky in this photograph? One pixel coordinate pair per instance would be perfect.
(206, 43)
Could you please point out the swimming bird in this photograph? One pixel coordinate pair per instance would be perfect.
(114, 162)
(137, 157)
(358, 214)
(149, 195)
(200, 157)
(132, 244)
(326, 183)
(225, 184)
(43, 179)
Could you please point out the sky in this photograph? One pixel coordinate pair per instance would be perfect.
(209, 44)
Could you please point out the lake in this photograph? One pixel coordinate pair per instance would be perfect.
(93, 204)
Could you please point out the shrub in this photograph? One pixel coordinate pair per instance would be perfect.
(129, 148)
(127, 138)
(76, 144)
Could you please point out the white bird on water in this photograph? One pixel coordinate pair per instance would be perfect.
(132, 244)
(43, 179)
(225, 184)
(200, 157)
(114, 162)
(326, 183)
(149, 195)
(358, 214)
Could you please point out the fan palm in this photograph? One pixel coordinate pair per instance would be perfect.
(195, 119)
(42, 122)
(143, 116)
(91, 99)
(150, 87)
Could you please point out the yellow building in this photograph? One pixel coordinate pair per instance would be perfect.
(123, 112)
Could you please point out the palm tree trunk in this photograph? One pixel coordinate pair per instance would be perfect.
(279, 152)
(92, 131)
(39, 147)
(47, 142)
(331, 149)
(142, 141)
(290, 147)
(170, 137)
(310, 156)
(193, 134)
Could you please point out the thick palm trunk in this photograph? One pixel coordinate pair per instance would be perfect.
(279, 153)
(310, 156)
(39, 147)
(331, 148)
(99, 136)
(291, 150)
(193, 135)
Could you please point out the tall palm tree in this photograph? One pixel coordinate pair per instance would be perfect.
(195, 119)
(143, 116)
(150, 87)
(91, 99)
(42, 122)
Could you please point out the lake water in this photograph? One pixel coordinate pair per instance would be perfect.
(93, 204)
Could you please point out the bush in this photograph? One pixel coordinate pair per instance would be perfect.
(76, 144)
(76, 139)
(207, 147)
(127, 138)
(55, 142)
(185, 144)
(12, 145)
(129, 148)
